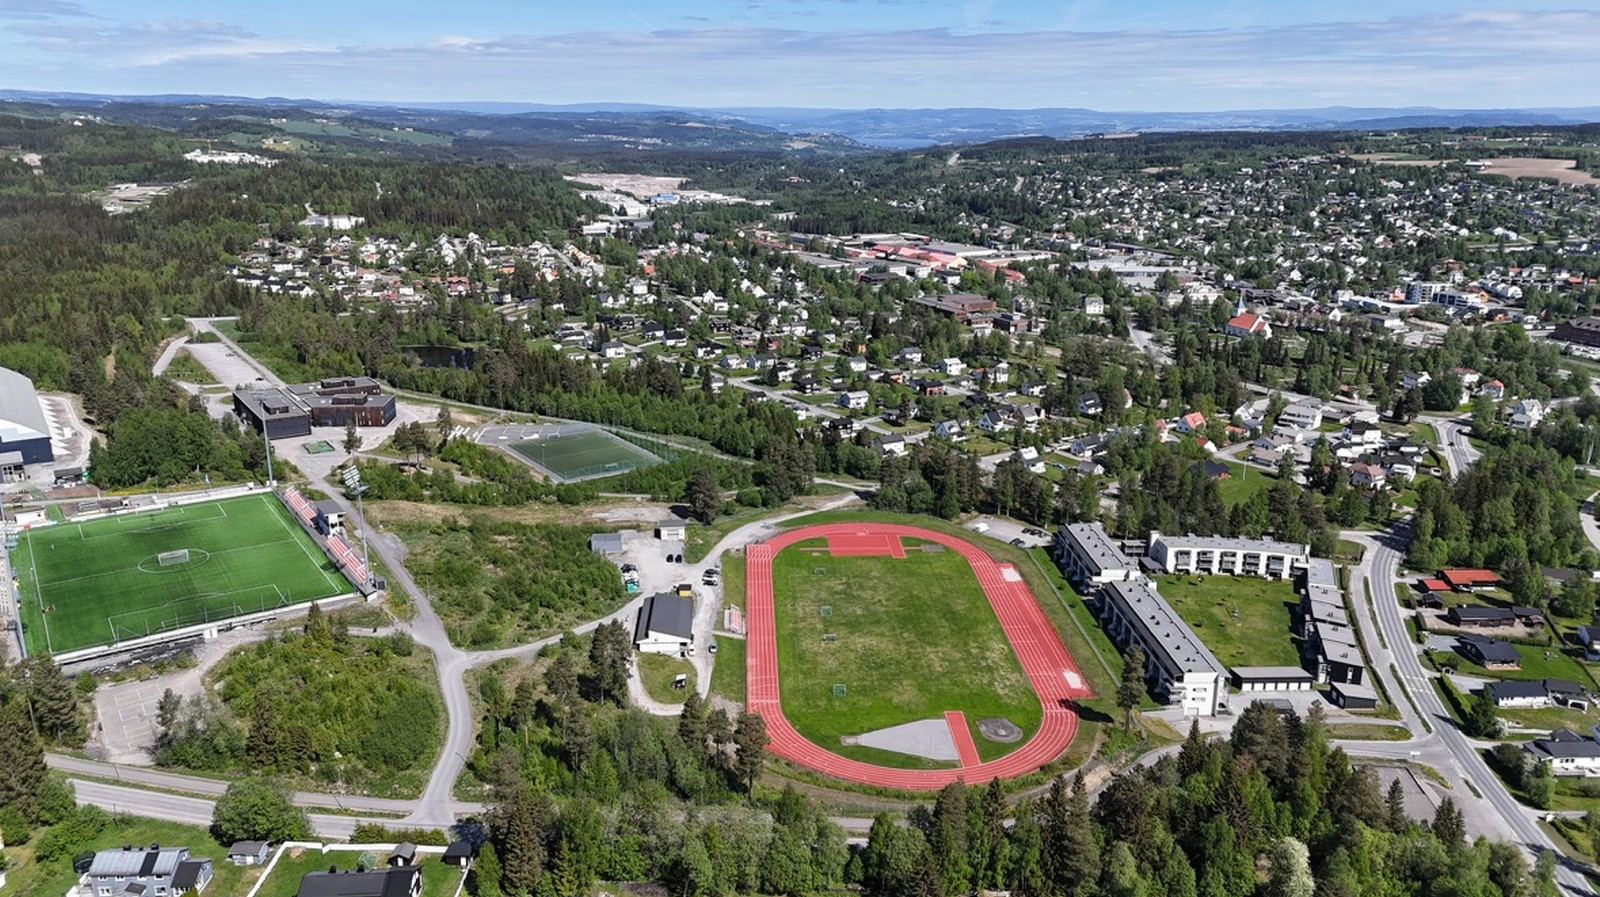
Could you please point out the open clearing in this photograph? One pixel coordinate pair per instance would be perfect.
(907, 638)
(1258, 634)
(94, 583)
(1564, 170)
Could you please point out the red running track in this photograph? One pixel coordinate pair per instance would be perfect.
(1044, 659)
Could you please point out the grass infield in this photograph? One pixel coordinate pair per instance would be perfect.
(583, 454)
(103, 581)
(914, 637)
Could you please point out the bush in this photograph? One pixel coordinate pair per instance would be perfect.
(65, 837)
(14, 826)
(257, 810)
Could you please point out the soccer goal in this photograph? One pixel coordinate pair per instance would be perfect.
(173, 558)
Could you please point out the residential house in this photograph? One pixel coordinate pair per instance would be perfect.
(1303, 416)
(1494, 389)
(910, 355)
(952, 367)
(1517, 694)
(1094, 306)
(1476, 617)
(404, 854)
(1192, 422)
(1589, 638)
(1029, 417)
(1088, 446)
(891, 445)
(153, 871)
(389, 881)
(1415, 379)
(1089, 404)
(1361, 433)
(1490, 653)
(614, 349)
(994, 421)
(1567, 753)
(857, 364)
(1527, 414)
(855, 400)
(1367, 476)
(949, 429)
(1029, 456)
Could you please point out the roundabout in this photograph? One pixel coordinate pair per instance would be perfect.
(1045, 666)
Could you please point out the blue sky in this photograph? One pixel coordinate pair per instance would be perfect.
(1127, 55)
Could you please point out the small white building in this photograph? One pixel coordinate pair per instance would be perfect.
(855, 400)
(952, 367)
(1301, 416)
(665, 625)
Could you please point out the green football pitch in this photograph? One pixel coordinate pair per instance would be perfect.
(124, 577)
(583, 454)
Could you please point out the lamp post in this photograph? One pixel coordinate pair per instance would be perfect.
(353, 484)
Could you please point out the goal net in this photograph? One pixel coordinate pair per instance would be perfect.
(169, 558)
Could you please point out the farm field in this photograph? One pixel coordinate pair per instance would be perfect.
(104, 581)
(906, 638)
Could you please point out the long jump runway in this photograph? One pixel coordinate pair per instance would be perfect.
(1050, 670)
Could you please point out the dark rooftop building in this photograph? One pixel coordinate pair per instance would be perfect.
(332, 402)
(1583, 331)
(393, 881)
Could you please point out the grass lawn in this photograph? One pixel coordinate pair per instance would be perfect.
(1243, 483)
(1260, 636)
(1548, 719)
(104, 580)
(27, 878)
(438, 880)
(878, 607)
(184, 367)
(1364, 732)
(728, 673)
(657, 672)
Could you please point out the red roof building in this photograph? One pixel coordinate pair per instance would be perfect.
(1247, 324)
(1467, 580)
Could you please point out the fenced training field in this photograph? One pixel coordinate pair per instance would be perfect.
(569, 452)
(125, 577)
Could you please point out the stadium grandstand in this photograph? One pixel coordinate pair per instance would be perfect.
(24, 431)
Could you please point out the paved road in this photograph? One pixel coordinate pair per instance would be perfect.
(1447, 749)
(1457, 451)
(191, 810)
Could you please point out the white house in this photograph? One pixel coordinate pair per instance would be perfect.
(951, 430)
(858, 364)
(891, 445)
(855, 400)
(1527, 414)
(1029, 456)
(614, 349)
(994, 421)
(1094, 306)
(1567, 753)
(1302, 416)
(665, 625)
(952, 367)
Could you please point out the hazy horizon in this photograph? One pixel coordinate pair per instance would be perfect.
(1164, 55)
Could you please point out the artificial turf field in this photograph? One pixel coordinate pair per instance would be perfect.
(583, 454)
(915, 637)
(87, 584)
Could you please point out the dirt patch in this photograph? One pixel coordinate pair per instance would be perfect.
(1434, 621)
(1563, 170)
(404, 512)
(999, 729)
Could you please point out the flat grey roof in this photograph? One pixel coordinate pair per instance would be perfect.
(1095, 548)
(1227, 543)
(21, 415)
(1260, 673)
(1354, 690)
(1161, 629)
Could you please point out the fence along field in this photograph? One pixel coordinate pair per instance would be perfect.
(107, 581)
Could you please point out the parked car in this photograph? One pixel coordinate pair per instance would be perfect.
(712, 647)
(1018, 542)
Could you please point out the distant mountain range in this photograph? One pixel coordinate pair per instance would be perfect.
(823, 130)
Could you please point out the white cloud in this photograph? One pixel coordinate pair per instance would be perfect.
(1481, 59)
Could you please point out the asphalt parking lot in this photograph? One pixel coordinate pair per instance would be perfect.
(1005, 529)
